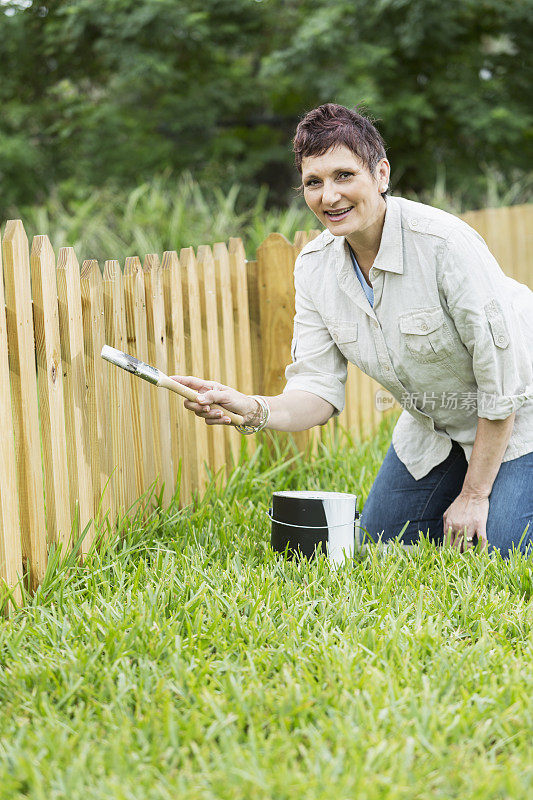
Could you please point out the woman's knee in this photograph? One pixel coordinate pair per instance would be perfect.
(506, 532)
(510, 518)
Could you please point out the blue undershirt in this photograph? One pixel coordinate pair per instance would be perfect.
(368, 290)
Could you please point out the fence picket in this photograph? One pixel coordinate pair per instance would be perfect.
(136, 345)
(75, 392)
(195, 360)
(229, 360)
(212, 339)
(174, 402)
(51, 394)
(275, 267)
(23, 377)
(520, 237)
(157, 352)
(245, 305)
(143, 394)
(10, 532)
(182, 419)
(92, 307)
(119, 390)
(215, 316)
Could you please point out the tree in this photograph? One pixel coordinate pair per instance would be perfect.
(115, 90)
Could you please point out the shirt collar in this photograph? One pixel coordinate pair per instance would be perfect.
(390, 253)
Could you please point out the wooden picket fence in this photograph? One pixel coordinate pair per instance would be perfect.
(84, 440)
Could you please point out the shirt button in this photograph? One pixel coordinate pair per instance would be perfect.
(501, 340)
(387, 368)
(375, 323)
(414, 223)
(424, 327)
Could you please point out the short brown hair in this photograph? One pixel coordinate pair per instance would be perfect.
(332, 124)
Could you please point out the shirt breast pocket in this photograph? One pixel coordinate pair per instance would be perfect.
(345, 336)
(425, 334)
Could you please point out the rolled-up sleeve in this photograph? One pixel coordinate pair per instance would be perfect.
(490, 314)
(317, 365)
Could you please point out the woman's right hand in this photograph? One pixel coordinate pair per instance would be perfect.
(213, 392)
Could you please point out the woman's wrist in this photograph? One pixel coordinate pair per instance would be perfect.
(253, 417)
(256, 421)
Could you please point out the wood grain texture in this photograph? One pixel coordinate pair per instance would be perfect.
(119, 391)
(245, 308)
(142, 393)
(174, 402)
(195, 359)
(520, 237)
(157, 352)
(275, 269)
(508, 232)
(228, 325)
(243, 314)
(212, 342)
(51, 395)
(301, 238)
(75, 393)
(11, 571)
(275, 264)
(101, 455)
(181, 419)
(23, 378)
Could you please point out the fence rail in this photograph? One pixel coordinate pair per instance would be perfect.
(84, 439)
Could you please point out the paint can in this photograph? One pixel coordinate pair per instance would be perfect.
(305, 521)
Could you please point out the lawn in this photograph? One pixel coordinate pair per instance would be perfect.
(185, 659)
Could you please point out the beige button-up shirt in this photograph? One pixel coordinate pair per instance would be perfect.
(450, 336)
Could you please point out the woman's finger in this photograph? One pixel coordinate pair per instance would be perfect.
(198, 384)
(198, 408)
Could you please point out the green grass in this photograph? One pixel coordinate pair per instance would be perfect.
(170, 212)
(166, 213)
(185, 659)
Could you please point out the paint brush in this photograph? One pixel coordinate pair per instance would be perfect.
(158, 378)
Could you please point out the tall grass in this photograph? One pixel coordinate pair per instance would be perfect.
(163, 214)
(169, 212)
(186, 659)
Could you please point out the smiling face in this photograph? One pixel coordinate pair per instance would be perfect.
(342, 193)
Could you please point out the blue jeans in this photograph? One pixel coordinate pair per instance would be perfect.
(396, 497)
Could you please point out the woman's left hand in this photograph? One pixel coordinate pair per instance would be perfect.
(470, 511)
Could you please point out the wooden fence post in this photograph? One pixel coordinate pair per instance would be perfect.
(520, 238)
(51, 395)
(508, 234)
(245, 309)
(10, 533)
(100, 444)
(76, 408)
(212, 342)
(119, 390)
(181, 419)
(23, 377)
(157, 352)
(143, 395)
(229, 353)
(275, 268)
(195, 359)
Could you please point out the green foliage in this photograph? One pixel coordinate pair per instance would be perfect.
(168, 213)
(186, 659)
(161, 214)
(100, 90)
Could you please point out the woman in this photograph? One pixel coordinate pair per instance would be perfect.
(413, 297)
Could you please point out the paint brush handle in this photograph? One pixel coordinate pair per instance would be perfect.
(191, 394)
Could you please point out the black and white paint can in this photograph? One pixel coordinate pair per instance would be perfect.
(303, 521)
